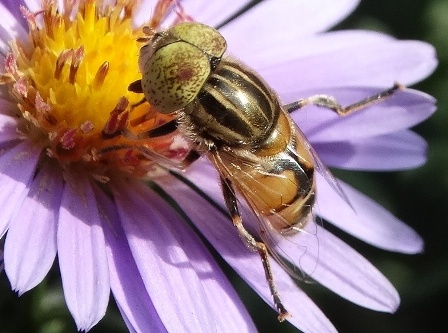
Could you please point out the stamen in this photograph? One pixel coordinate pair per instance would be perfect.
(76, 61)
(111, 125)
(160, 13)
(67, 139)
(69, 5)
(10, 74)
(11, 65)
(66, 76)
(60, 62)
(100, 75)
(128, 8)
(122, 104)
(44, 109)
(29, 17)
(123, 121)
(118, 119)
(182, 15)
(21, 87)
(86, 127)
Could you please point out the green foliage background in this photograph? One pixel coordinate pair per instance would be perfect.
(419, 197)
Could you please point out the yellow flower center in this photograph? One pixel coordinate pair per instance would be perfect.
(71, 79)
(82, 67)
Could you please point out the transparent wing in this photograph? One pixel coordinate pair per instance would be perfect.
(322, 169)
(295, 248)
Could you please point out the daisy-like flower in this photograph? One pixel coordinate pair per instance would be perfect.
(68, 188)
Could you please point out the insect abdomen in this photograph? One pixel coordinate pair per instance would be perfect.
(278, 178)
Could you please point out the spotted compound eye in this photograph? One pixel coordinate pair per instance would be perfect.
(175, 71)
(205, 38)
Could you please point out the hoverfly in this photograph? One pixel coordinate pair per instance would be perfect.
(230, 115)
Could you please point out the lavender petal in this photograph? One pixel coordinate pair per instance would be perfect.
(30, 245)
(395, 151)
(17, 166)
(82, 253)
(365, 219)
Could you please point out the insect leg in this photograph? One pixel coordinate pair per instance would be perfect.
(331, 103)
(260, 247)
(191, 157)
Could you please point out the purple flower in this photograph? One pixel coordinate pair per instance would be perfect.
(66, 190)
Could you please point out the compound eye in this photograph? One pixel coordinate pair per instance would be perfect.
(205, 38)
(173, 76)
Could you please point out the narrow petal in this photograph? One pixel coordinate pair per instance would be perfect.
(299, 18)
(374, 64)
(199, 10)
(325, 258)
(263, 58)
(404, 109)
(366, 219)
(341, 269)
(144, 12)
(34, 5)
(159, 251)
(30, 245)
(229, 313)
(13, 7)
(8, 126)
(10, 27)
(125, 280)
(395, 151)
(213, 15)
(217, 228)
(17, 168)
(82, 253)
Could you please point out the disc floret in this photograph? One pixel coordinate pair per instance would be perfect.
(70, 81)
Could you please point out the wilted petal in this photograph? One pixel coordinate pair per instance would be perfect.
(404, 109)
(159, 247)
(125, 280)
(217, 228)
(394, 151)
(297, 18)
(30, 245)
(82, 253)
(366, 219)
(17, 168)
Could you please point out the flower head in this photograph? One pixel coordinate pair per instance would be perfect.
(74, 151)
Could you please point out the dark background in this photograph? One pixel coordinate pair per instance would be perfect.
(418, 197)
